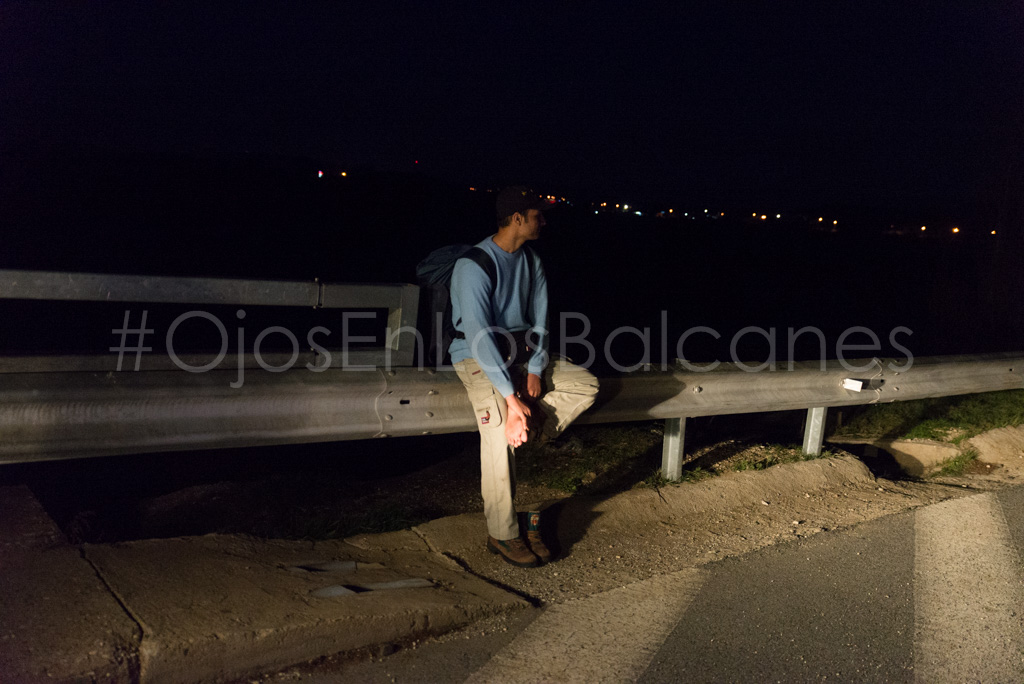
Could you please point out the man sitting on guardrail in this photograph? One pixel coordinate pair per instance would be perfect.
(500, 354)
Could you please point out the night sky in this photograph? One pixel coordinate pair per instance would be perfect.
(909, 106)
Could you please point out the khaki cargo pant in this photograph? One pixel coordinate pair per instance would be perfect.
(568, 391)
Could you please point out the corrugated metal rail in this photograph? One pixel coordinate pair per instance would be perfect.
(79, 406)
(49, 415)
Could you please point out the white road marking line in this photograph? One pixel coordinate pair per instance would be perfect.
(968, 594)
(603, 638)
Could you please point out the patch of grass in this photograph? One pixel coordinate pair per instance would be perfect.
(959, 463)
(777, 454)
(695, 474)
(944, 419)
(938, 430)
(593, 458)
(753, 464)
(656, 480)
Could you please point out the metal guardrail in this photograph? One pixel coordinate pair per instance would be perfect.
(46, 416)
(400, 299)
(75, 406)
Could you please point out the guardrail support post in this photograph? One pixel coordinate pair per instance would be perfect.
(672, 449)
(814, 430)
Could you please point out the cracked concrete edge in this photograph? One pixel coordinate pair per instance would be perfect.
(205, 661)
(264, 623)
(58, 619)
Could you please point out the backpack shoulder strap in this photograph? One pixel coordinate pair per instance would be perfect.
(485, 261)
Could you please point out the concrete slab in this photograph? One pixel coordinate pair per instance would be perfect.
(58, 622)
(221, 606)
(919, 457)
(916, 457)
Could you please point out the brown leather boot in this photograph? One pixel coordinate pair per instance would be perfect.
(534, 540)
(514, 551)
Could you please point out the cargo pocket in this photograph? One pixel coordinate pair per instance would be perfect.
(488, 414)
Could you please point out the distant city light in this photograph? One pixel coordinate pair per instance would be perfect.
(625, 207)
(616, 206)
(778, 216)
(755, 215)
(834, 223)
(763, 217)
(473, 189)
(638, 213)
(604, 204)
(595, 211)
(924, 227)
(319, 174)
(671, 210)
(956, 230)
(820, 219)
(344, 174)
(705, 211)
(722, 213)
(993, 232)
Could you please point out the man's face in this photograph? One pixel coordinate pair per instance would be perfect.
(532, 223)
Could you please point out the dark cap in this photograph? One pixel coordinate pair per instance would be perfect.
(519, 199)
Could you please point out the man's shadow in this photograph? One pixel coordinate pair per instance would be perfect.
(564, 523)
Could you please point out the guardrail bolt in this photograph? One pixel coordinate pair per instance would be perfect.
(698, 389)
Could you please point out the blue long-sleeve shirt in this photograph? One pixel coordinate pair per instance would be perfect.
(517, 302)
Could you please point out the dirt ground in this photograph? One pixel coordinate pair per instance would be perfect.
(339, 490)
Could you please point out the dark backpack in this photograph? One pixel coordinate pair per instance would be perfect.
(434, 276)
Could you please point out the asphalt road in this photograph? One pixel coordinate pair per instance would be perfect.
(934, 594)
